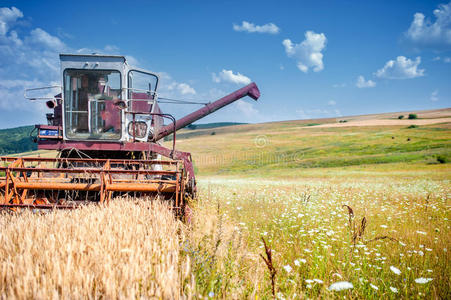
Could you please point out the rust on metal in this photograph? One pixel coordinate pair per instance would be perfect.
(27, 183)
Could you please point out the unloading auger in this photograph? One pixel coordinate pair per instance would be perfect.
(107, 129)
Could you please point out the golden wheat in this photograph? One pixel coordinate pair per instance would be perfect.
(129, 249)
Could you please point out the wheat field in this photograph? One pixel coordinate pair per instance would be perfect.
(129, 249)
(362, 213)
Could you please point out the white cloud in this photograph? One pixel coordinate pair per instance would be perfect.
(434, 96)
(250, 27)
(185, 89)
(7, 17)
(331, 103)
(247, 108)
(42, 37)
(362, 83)
(401, 68)
(229, 76)
(444, 59)
(26, 62)
(426, 33)
(308, 52)
(168, 87)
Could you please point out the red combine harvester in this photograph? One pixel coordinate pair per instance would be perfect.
(107, 129)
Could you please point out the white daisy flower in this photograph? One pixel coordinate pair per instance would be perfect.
(393, 289)
(287, 268)
(395, 270)
(341, 285)
(423, 280)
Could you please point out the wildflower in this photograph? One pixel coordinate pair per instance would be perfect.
(318, 281)
(211, 294)
(309, 281)
(287, 268)
(384, 226)
(341, 285)
(395, 270)
(421, 232)
(374, 287)
(423, 280)
(394, 290)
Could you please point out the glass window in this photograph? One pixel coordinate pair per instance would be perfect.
(141, 89)
(89, 104)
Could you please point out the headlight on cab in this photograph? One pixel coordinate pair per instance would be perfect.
(140, 129)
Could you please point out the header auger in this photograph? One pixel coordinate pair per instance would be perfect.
(107, 129)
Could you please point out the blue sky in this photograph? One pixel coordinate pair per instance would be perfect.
(310, 59)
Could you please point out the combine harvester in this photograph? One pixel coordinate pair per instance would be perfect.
(107, 129)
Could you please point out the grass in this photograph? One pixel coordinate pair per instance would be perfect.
(306, 225)
(292, 185)
(279, 146)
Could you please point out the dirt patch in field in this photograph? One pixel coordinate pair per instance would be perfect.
(386, 122)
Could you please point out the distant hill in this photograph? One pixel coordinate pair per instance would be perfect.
(16, 140)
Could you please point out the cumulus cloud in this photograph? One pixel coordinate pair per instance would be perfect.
(39, 36)
(27, 61)
(362, 83)
(229, 76)
(185, 89)
(434, 96)
(169, 87)
(7, 17)
(251, 28)
(401, 68)
(431, 34)
(308, 52)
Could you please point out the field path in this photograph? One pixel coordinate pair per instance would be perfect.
(386, 122)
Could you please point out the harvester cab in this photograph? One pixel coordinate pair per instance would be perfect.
(106, 134)
(103, 99)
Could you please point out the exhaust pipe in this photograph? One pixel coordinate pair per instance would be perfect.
(250, 90)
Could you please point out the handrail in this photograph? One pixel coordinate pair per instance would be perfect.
(42, 88)
(168, 116)
(141, 90)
